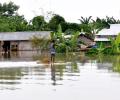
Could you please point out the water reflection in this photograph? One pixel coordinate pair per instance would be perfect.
(71, 76)
(66, 68)
(53, 74)
(9, 78)
(10, 73)
(57, 74)
(18, 56)
(116, 64)
(112, 63)
(6, 55)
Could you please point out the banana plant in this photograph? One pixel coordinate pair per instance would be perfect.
(100, 48)
(115, 44)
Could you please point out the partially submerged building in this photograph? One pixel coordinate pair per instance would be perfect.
(20, 40)
(105, 34)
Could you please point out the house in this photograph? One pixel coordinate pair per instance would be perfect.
(19, 40)
(84, 42)
(105, 34)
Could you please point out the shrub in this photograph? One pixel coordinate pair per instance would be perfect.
(108, 50)
(92, 51)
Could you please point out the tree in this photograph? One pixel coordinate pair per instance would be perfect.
(40, 43)
(92, 27)
(19, 22)
(85, 20)
(13, 23)
(55, 21)
(4, 25)
(8, 9)
(101, 23)
(38, 23)
(9, 18)
(85, 25)
(63, 44)
(112, 20)
(74, 26)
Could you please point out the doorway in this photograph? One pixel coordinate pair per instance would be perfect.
(6, 46)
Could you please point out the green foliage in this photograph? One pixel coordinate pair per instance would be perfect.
(92, 27)
(64, 45)
(61, 48)
(69, 32)
(10, 21)
(108, 51)
(59, 29)
(52, 35)
(73, 26)
(100, 48)
(85, 20)
(112, 20)
(92, 51)
(18, 22)
(85, 28)
(55, 21)
(8, 9)
(115, 44)
(116, 64)
(74, 41)
(113, 49)
(101, 23)
(38, 23)
(40, 43)
(6, 25)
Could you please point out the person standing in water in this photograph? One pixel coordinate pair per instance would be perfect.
(52, 51)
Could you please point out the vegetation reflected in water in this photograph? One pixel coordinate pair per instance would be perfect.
(67, 69)
(108, 61)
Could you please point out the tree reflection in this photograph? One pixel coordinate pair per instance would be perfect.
(112, 61)
(10, 74)
(74, 67)
(116, 64)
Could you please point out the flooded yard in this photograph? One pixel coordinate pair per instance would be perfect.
(72, 77)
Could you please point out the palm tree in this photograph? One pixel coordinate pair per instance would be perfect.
(85, 20)
(112, 20)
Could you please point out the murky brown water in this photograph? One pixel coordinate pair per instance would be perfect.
(80, 78)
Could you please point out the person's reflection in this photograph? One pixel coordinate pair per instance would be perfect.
(53, 74)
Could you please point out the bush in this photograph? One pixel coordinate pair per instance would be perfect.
(92, 51)
(108, 50)
(61, 48)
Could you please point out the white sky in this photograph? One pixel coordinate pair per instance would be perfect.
(71, 10)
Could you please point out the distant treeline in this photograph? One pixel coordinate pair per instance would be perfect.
(11, 21)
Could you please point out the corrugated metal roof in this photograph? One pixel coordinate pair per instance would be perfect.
(11, 36)
(114, 30)
(102, 39)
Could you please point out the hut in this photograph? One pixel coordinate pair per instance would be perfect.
(19, 40)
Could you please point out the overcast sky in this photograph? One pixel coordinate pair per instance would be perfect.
(71, 10)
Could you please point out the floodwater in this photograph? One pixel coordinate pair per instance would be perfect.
(74, 77)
